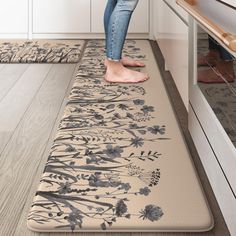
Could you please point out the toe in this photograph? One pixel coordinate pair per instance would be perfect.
(141, 64)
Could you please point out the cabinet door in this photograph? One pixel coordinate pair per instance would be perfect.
(13, 16)
(139, 21)
(172, 36)
(178, 9)
(61, 16)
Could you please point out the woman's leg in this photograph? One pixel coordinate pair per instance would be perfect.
(116, 33)
(118, 27)
(111, 4)
(107, 14)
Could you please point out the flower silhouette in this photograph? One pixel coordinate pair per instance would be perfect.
(125, 186)
(123, 107)
(138, 102)
(133, 126)
(98, 117)
(64, 188)
(75, 218)
(113, 152)
(151, 212)
(137, 142)
(144, 191)
(121, 208)
(157, 129)
(70, 149)
(147, 109)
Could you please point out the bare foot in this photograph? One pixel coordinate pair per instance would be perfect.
(129, 62)
(209, 59)
(208, 76)
(221, 73)
(117, 73)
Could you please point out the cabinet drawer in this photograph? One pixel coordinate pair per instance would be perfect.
(218, 181)
(14, 16)
(172, 37)
(61, 16)
(139, 21)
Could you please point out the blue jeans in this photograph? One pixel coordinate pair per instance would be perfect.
(117, 16)
(225, 55)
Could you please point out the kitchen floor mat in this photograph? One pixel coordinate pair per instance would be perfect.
(119, 162)
(40, 51)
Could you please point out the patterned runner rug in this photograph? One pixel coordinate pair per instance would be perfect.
(119, 161)
(40, 51)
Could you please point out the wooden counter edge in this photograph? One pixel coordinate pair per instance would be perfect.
(227, 38)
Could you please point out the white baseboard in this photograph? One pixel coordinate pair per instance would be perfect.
(13, 36)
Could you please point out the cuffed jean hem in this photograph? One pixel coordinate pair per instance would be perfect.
(111, 59)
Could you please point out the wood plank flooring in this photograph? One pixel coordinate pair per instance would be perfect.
(8, 76)
(27, 135)
(1, 66)
(32, 101)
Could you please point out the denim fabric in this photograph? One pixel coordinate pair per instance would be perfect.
(224, 54)
(117, 16)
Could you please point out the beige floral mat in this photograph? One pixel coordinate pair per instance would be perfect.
(118, 162)
(40, 51)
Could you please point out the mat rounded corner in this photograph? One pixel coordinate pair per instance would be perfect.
(32, 227)
(208, 225)
(211, 225)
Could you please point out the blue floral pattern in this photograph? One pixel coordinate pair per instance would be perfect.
(99, 151)
(41, 51)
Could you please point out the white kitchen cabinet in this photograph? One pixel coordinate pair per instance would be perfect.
(171, 33)
(61, 16)
(13, 16)
(139, 22)
(64, 19)
(179, 10)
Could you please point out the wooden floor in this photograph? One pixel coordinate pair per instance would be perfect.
(32, 100)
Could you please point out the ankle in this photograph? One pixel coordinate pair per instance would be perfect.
(111, 62)
(113, 66)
